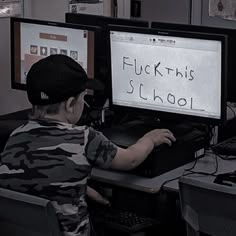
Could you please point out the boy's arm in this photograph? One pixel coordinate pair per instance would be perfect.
(127, 159)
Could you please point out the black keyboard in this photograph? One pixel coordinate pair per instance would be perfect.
(227, 147)
(121, 220)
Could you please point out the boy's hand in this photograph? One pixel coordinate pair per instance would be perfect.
(159, 136)
(97, 197)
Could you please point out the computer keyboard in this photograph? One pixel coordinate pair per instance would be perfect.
(228, 179)
(122, 220)
(227, 147)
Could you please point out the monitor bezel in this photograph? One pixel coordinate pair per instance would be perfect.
(13, 20)
(103, 21)
(169, 116)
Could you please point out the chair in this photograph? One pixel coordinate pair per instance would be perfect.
(25, 215)
(207, 208)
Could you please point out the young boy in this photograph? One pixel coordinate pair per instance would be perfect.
(51, 157)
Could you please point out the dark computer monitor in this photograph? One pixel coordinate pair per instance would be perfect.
(231, 35)
(168, 74)
(101, 41)
(32, 40)
(102, 21)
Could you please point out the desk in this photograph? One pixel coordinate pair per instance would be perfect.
(153, 185)
(142, 194)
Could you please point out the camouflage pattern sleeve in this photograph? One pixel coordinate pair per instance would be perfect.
(99, 150)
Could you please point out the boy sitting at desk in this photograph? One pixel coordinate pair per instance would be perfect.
(51, 157)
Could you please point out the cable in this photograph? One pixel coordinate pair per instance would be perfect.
(170, 180)
(230, 107)
(191, 172)
(204, 173)
(194, 164)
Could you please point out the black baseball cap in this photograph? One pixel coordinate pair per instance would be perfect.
(55, 78)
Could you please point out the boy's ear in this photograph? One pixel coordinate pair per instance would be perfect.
(69, 104)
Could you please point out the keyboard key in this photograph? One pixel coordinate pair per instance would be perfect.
(122, 220)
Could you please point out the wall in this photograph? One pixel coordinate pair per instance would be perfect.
(123, 8)
(53, 10)
(177, 11)
(11, 99)
(201, 13)
(43, 9)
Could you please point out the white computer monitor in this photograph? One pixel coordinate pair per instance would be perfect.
(170, 73)
(32, 40)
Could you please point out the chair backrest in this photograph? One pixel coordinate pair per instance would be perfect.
(23, 214)
(208, 207)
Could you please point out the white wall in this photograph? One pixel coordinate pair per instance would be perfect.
(53, 10)
(11, 100)
(172, 11)
(123, 8)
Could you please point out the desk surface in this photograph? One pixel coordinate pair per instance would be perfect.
(207, 164)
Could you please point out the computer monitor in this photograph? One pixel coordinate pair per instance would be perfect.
(102, 21)
(101, 43)
(231, 62)
(168, 74)
(32, 40)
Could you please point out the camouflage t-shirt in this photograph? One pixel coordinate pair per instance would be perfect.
(53, 160)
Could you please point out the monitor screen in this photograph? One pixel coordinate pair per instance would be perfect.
(32, 40)
(231, 62)
(169, 73)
